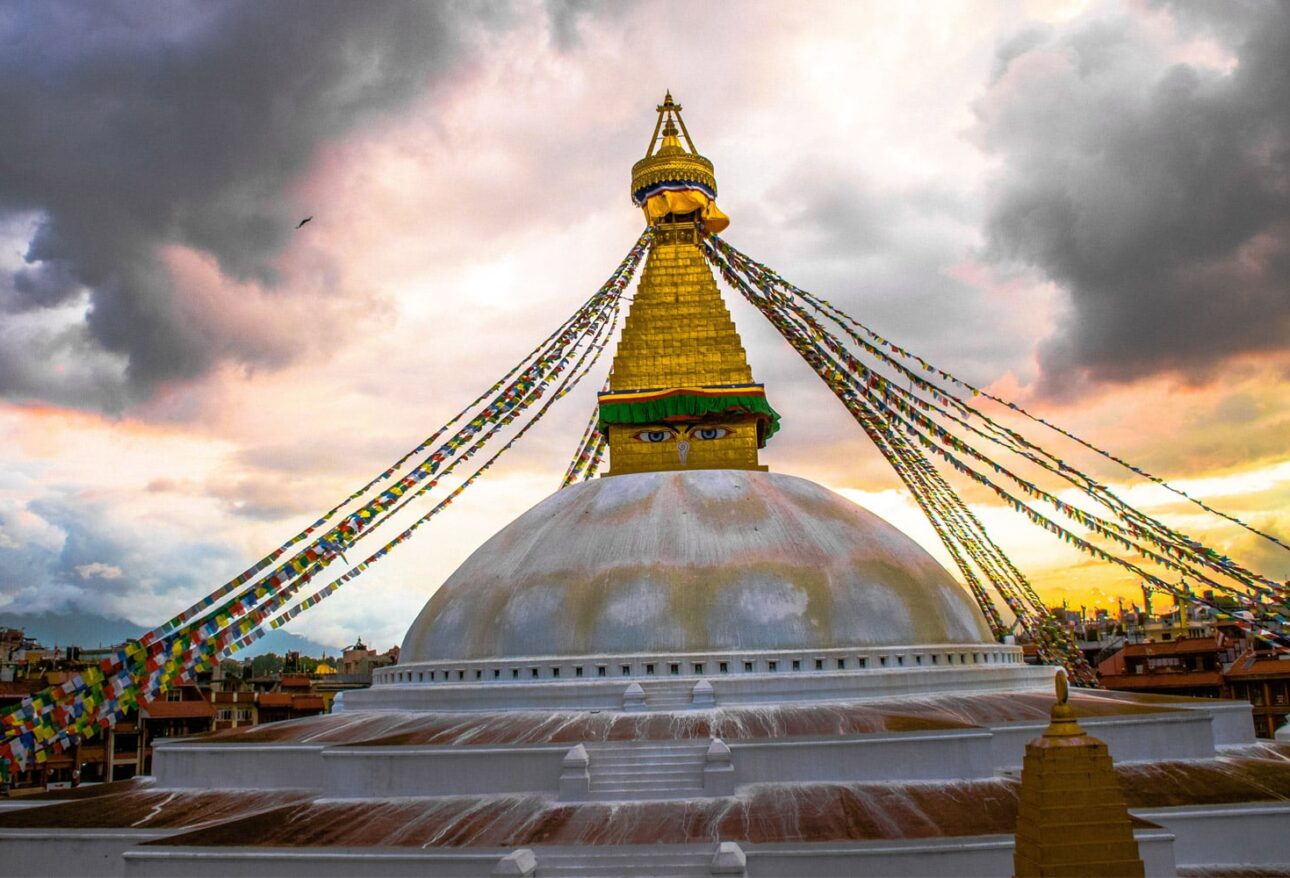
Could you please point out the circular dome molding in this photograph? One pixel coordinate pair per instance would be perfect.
(710, 561)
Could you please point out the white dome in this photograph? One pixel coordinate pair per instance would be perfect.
(698, 561)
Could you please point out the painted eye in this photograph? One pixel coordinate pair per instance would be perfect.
(654, 436)
(710, 433)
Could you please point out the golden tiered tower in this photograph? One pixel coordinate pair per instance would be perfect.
(1072, 819)
(681, 395)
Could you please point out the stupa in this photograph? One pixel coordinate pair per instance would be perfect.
(689, 666)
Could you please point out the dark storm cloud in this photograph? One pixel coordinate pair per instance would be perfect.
(1156, 194)
(128, 126)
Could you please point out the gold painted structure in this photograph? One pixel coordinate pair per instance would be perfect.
(671, 163)
(678, 334)
(672, 181)
(1072, 819)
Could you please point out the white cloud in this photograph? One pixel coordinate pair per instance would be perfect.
(102, 571)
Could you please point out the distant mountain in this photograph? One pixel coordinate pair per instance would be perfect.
(90, 630)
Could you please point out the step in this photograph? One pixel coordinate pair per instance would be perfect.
(660, 871)
(682, 869)
(638, 769)
(610, 776)
(657, 758)
(616, 866)
(692, 746)
(642, 795)
(647, 759)
(645, 784)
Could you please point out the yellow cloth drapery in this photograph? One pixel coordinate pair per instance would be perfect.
(661, 204)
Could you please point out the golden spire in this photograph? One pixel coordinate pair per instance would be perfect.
(1072, 818)
(681, 395)
(670, 179)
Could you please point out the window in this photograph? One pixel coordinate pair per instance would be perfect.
(497, 673)
(842, 664)
(819, 664)
(772, 666)
(461, 675)
(861, 662)
(515, 673)
(882, 660)
(627, 670)
(724, 667)
(577, 672)
(174, 695)
(674, 669)
(934, 658)
(649, 670)
(900, 659)
(224, 715)
(698, 668)
(918, 659)
(479, 674)
(748, 667)
(601, 670)
(533, 672)
(555, 672)
(797, 664)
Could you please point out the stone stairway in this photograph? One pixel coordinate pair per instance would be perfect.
(609, 862)
(646, 770)
(669, 695)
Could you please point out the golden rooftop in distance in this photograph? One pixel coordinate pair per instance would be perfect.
(681, 394)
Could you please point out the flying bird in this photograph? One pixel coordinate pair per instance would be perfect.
(303, 221)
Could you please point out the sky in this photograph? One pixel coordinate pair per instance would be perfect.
(1084, 206)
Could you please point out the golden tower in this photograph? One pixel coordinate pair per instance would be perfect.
(1072, 819)
(681, 395)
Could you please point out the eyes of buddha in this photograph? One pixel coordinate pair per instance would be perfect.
(703, 434)
(655, 436)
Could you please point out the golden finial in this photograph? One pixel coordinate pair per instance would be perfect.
(668, 161)
(1062, 719)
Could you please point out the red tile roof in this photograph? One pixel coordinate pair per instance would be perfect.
(275, 699)
(177, 710)
(1186, 646)
(21, 687)
(1261, 667)
(233, 697)
(1176, 680)
(307, 702)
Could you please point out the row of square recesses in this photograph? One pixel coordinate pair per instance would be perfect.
(536, 671)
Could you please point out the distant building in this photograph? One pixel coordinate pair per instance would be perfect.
(1265, 683)
(215, 701)
(1188, 666)
(352, 670)
(1223, 664)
